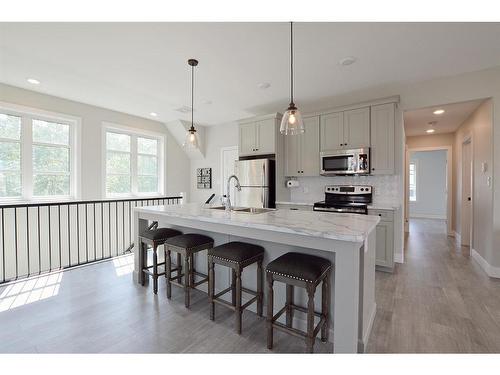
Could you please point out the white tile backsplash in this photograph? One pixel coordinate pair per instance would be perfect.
(312, 189)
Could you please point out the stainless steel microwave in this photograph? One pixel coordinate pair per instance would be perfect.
(345, 162)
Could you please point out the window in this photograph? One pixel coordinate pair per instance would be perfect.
(37, 155)
(413, 181)
(133, 163)
(10, 156)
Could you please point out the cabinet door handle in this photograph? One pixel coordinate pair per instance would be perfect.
(373, 169)
(341, 144)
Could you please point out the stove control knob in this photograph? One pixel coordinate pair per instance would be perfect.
(362, 189)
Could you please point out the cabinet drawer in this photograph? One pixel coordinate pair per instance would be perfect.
(293, 207)
(385, 215)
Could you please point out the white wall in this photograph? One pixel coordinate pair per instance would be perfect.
(216, 137)
(177, 164)
(478, 125)
(431, 184)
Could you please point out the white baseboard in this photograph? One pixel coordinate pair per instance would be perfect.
(427, 216)
(399, 257)
(488, 268)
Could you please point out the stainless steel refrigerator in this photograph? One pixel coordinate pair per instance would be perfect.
(257, 180)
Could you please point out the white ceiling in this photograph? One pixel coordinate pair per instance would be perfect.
(140, 68)
(417, 121)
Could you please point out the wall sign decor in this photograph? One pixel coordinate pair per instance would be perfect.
(204, 178)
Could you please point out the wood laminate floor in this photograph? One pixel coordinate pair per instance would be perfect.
(438, 301)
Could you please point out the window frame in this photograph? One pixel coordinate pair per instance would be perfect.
(134, 134)
(415, 163)
(27, 115)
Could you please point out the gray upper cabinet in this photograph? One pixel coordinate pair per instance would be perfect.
(257, 137)
(382, 138)
(302, 151)
(332, 131)
(345, 130)
(357, 128)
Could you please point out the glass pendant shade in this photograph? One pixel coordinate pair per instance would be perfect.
(292, 123)
(192, 141)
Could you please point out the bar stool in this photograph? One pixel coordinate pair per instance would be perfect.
(186, 245)
(154, 237)
(305, 271)
(237, 256)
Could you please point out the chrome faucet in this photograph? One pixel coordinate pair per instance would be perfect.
(228, 198)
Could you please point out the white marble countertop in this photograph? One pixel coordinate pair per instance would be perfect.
(343, 227)
(384, 206)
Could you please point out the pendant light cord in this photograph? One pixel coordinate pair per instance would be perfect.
(291, 62)
(192, 97)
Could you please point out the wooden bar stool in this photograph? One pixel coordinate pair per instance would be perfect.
(186, 245)
(305, 271)
(154, 237)
(237, 256)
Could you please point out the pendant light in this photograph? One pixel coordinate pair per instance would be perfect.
(292, 122)
(192, 140)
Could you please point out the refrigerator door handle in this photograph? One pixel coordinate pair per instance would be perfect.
(263, 174)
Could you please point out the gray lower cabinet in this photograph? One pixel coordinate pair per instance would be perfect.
(384, 258)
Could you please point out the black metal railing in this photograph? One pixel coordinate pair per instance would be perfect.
(36, 238)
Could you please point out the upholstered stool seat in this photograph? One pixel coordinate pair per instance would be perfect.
(185, 245)
(160, 234)
(237, 252)
(306, 271)
(299, 266)
(154, 237)
(235, 255)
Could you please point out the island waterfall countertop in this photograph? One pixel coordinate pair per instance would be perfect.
(342, 227)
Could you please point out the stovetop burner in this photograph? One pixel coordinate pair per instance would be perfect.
(345, 199)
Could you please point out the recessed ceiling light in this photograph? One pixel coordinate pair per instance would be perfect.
(438, 111)
(430, 131)
(347, 60)
(33, 81)
(264, 85)
(154, 114)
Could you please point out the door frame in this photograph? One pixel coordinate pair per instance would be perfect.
(449, 183)
(468, 138)
(221, 157)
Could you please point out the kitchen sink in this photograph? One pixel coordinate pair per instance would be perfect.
(253, 210)
(248, 210)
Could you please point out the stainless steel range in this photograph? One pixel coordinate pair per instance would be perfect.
(352, 199)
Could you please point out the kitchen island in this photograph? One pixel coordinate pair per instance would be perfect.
(347, 240)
